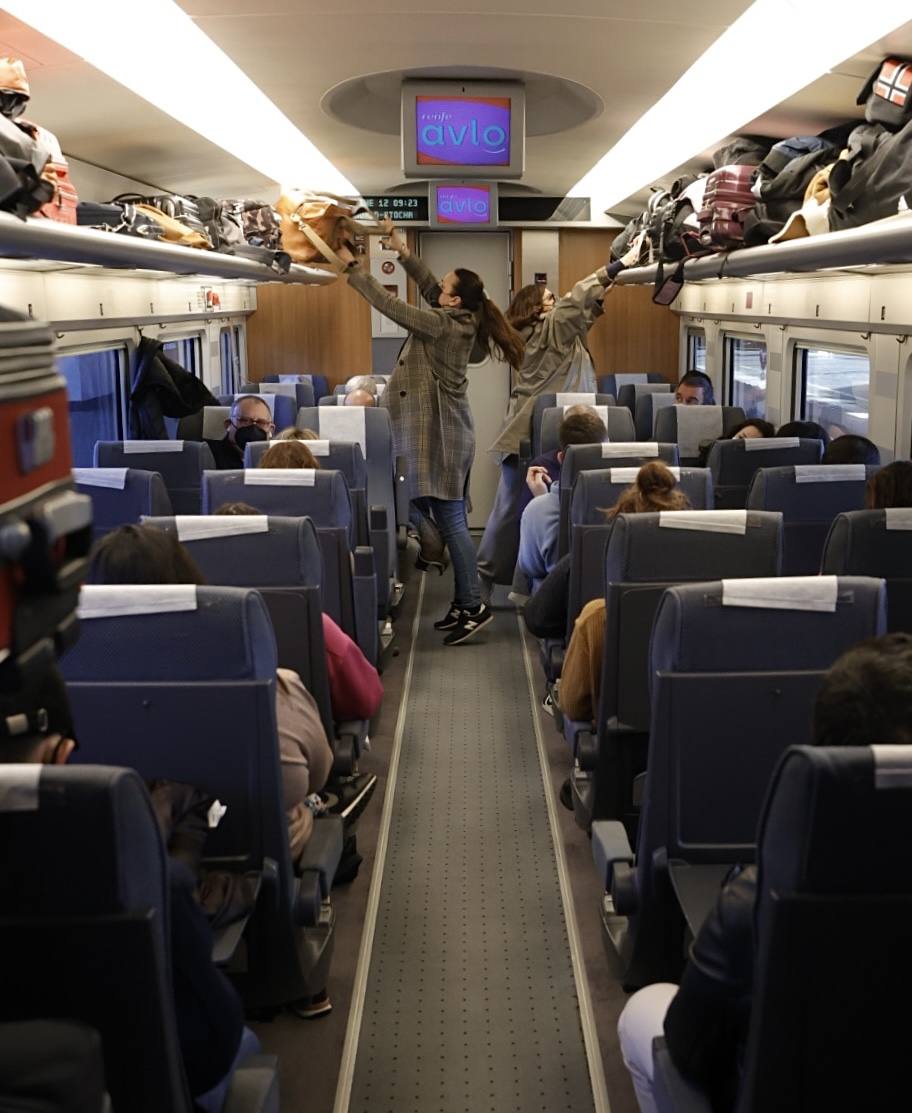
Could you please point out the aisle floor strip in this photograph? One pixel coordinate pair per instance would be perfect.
(587, 1017)
(353, 1032)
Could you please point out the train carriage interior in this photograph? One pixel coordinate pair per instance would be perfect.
(455, 534)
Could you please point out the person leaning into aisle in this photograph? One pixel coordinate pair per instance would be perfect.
(428, 408)
(556, 361)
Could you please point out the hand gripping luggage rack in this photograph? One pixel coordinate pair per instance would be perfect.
(45, 526)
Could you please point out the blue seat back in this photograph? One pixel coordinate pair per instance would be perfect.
(558, 402)
(180, 464)
(646, 410)
(875, 543)
(85, 913)
(612, 384)
(285, 565)
(691, 427)
(318, 382)
(341, 456)
(809, 499)
(284, 408)
(617, 421)
(301, 393)
(628, 394)
(121, 496)
(735, 462)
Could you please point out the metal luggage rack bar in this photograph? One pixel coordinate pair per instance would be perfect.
(882, 242)
(39, 239)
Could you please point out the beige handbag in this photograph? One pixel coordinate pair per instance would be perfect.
(316, 225)
(173, 231)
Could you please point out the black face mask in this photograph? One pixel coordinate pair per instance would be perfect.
(249, 434)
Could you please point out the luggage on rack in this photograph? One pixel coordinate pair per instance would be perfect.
(178, 217)
(279, 261)
(260, 223)
(727, 200)
(62, 204)
(315, 226)
(887, 94)
(23, 190)
(782, 180)
(874, 179)
(677, 228)
(222, 226)
(743, 150)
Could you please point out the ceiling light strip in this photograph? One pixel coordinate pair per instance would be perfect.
(155, 50)
(772, 51)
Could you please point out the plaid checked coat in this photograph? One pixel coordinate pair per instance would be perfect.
(426, 396)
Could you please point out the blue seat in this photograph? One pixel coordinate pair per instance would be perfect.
(691, 427)
(833, 869)
(85, 928)
(735, 462)
(387, 479)
(628, 394)
(875, 543)
(349, 593)
(557, 402)
(809, 499)
(732, 687)
(617, 421)
(194, 690)
(611, 384)
(180, 464)
(642, 558)
(318, 382)
(121, 496)
(646, 410)
(301, 393)
(284, 408)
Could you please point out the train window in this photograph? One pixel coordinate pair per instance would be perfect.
(832, 386)
(95, 389)
(745, 370)
(230, 358)
(696, 350)
(188, 352)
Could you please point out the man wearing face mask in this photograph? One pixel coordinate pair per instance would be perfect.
(250, 420)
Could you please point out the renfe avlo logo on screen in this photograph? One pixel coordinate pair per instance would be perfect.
(463, 204)
(462, 131)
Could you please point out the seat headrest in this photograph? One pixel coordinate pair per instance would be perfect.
(782, 593)
(144, 448)
(120, 600)
(810, 499)
(596, 490)
(321, 495)
(830, 473)
(694, 632)
(288, 389)
(113, 478)
(344, 423)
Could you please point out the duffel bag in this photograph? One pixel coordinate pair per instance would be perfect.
(727, 200)
(315, 226)
(222, 226)
(23, 190)
(873, 178)
(813, 218)
(623, 240)
(180, 217)
(94, 214)
(260, 223)
(887, 94)
(743, 150)
(172, 231)
(781, 184)
(62, 205)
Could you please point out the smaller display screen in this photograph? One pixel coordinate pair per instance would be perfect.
(404, 210)
(463, 204)
(462, 131)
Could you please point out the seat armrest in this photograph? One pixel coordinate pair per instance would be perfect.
(585, 747)
(379, 540)
(254, 1086)
(323, 851)
(225, 939)
(400, 486)
(351, 742)
(364, 588)
(674, 1093)
(610, 848)
(307, 899)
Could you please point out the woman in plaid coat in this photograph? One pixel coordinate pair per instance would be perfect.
(428, 408)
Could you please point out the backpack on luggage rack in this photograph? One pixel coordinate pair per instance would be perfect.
(23, 190)
(874, 179)
(781, 182)
(260, 223)
(887, 94)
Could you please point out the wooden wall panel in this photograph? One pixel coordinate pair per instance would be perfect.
(634, 334)
(317, 330)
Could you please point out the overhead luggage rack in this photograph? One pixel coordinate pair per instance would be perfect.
(47, 240)
(881, 242)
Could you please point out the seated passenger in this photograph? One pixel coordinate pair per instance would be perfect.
(808, 429)
(143, 555)
(361, 390)
(752, 427)
(865, 697)
(36, 728)
(288, 453)
(540, 522)
(851, 449)
(889, 487)
(695, 389)
(250, 419)
(655, 489)
(355, 690)
(293, 433)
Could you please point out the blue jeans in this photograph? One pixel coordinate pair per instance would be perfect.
(449, 515)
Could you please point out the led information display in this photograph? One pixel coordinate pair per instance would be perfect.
(404, 210)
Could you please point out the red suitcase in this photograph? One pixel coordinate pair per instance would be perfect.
(726, 202)
(45, 526)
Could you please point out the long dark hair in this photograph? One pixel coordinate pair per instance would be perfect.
(526, 307)
(141, 555)
(495, 335)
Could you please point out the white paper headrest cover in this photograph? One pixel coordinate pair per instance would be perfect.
(782, 593)
(625, 379)
(898, 517)
(134, 448)
(199, 527)
(571, 399)
(293, 379)
(288, 389)
(629, 475)
(19, 787)
(280, 477)
(629, 448)
(764, 444)
(705, 521)
(829, 473)
(111, 601)
(892, 766)
(115, 478)
(344, 423)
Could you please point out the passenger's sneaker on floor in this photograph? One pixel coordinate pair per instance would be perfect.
(548, 704)
(468, 625)
(450, 620)
(566, 795)
(310, 1008)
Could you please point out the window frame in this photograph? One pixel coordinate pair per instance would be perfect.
(196, 360)
(728, 370)
(800, 346)
(692, 336)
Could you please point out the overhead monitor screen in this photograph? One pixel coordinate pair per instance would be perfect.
(464, 203)
(462, 131)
